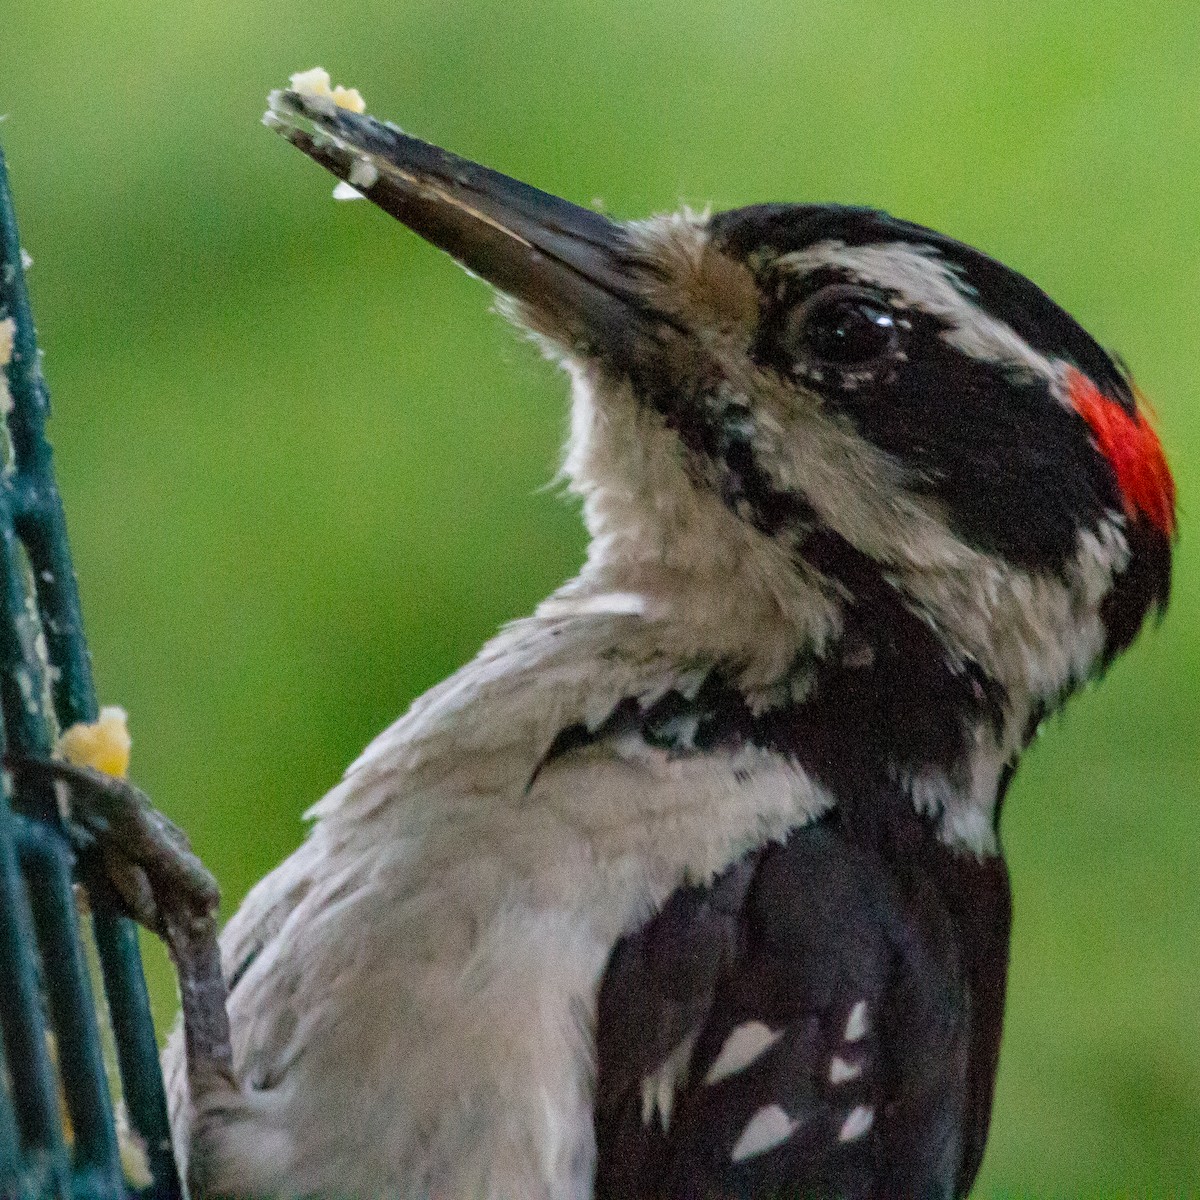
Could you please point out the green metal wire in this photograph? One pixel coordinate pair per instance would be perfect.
(51, 1058)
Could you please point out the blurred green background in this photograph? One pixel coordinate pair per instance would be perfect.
(302, 461)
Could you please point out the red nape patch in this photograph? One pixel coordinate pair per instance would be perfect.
(1132, 449)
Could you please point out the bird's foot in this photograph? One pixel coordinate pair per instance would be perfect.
(150, 866)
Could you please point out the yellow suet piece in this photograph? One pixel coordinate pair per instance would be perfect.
(103, 744)
(316, 83)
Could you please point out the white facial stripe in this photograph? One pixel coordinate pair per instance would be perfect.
(927, 282)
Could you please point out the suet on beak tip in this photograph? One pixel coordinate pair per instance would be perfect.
(555, 257)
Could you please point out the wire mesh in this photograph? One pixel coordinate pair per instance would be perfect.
(58, 1132)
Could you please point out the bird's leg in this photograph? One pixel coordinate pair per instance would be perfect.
(149, 864)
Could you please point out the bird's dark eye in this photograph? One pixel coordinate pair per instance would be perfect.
(841, 327)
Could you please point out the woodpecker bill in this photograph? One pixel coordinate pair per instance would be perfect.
(690, 885)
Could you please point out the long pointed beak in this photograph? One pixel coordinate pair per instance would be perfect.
(571, 268)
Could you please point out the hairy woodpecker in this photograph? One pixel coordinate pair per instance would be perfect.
(689, 885)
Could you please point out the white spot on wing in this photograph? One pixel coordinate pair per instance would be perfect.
(741, 1048)
(857, 1123)
(841, 1071)
(658, 1090)
(856, 1022)
(649, 1098)
(768, 1128)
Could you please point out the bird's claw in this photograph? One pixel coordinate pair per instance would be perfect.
(146, 859)
(148, 863)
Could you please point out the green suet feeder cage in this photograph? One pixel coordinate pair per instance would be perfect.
(58, 1120)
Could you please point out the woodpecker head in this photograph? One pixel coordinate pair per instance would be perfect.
(817, 433)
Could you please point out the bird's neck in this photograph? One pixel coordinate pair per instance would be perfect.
(755, 616)
(861, 693)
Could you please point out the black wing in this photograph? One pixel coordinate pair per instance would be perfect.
(822, 1020)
